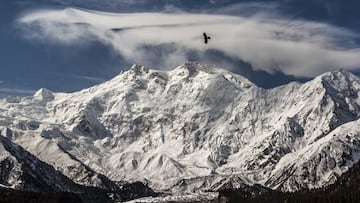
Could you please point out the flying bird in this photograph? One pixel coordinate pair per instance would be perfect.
(206, 38)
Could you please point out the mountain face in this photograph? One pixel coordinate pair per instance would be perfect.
(23, 178)
(345, 189)
(194, 128)
(20, 169)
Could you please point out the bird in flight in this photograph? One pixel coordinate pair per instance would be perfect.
(206, 38)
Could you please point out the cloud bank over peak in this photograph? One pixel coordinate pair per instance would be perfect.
(296, 47)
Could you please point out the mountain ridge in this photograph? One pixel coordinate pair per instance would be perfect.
(196, 122)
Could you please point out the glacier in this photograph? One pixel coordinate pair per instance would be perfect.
(192, 129)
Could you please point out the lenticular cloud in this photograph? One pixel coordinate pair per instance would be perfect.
(299, 48)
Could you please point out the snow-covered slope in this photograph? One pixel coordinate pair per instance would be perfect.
(192, 128)
(21, 170)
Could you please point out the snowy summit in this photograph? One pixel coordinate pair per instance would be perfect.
(191, 129)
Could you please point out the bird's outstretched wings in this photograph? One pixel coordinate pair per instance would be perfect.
(206, 38)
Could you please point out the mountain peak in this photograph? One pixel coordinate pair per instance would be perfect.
(339, 74)
(339, 71)
(340, 79)
(336, 81)
(44, 94)
(138, 69)
(192, 69)
(198, 67)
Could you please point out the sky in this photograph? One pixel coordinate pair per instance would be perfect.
(68, 45)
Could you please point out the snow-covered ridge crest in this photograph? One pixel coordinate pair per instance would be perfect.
(192, 128)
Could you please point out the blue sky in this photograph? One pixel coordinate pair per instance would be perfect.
(269, 42)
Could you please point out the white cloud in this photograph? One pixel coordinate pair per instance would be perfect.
(300, 48)
(86, 78)
(15, 91)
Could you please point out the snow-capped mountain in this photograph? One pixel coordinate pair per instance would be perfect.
(194, 128)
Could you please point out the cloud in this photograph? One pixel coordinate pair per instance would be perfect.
(270, 43)
(85, 78)
(15, 91)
